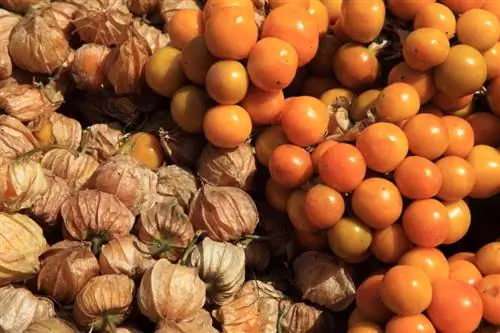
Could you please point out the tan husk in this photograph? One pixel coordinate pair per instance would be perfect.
(257, 255)
(60, 14)
(178, 182)
(167, 229)
(22, 181)
(170, 291)
(303, 318)
(182, 148)
(64, 131)
(46, 208)
(143, 7)
(15, 138)
(200, 321)
(66, 268)
(324, 280)
(102, 21)
(126, 255)
(169, 7)
(20, 6)
(228, 167)
(87, 69)
(7, 21)
(37, 45)
(96, 216)
(51, 325)
(104, 302)
(21, 242)
(226, 213)
(102, 140)
(20, 308)
(127, 109)
(76, 169)
(154, 37)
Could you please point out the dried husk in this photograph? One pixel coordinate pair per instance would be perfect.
(7, 21)
(87, 107)
(221, 266)
(46, 208)
(324, 280)
(76, 169)
(275, 226)
(168, 8)
(200, 321)
(126, 255)
(143, 7)
(179, 183)
(20, 6)
(257, 255)
(127, 329)
(38, 45)
(170, 291)
(166, 228)
(22, 181)
(60, 14)
(88, 66)
(154, 37)
(127, 109)
(226, 213)
(64, 131)
(51, 325)
(21, 242)
(102, 21)
(132, 183)
(96, 216)
(255, 309)
(102, 140)
(228, 167)
(104, 302)
(15, 138)
(20, 308)
(303, 318)
(125, 64)
(66, 268)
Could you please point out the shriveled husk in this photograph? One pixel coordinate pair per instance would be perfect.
(275, 226)
(7, 21)
(76, 169)
(200, 321)
(166, 228)
(88, 107)
(303, 318)
(168, 8)
(324, 280)
(104, 302)
(22, 181)
(257, 255)
(60, 14)
(102, 21)
(21, 242)
(177, 182)
(46, 208)
(15, 138)
(20, 6)
(182, 148)
(56, 129)
(127, 329)
(255, 308)
(154, 37)
(126, 255)
(102, 140)
(20, 308)
(88, 66)
(132, 183)
(95, 216)
(221, 266)
(226, 213)
(66, 268)
(143, 7)
(38, 45)
(128, 108)
(170, 291)
(51, 325)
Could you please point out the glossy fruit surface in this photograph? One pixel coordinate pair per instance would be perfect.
(214, 6)
(227, 82)
(418, 178)
(188, 107)
(436, 15)
(451, 104)
(296, 211)
(184, 26)
(427, 135)
(460, 220)
(397, 102)
(492, 57)
(458, 178)
(227, 126)
(461, 136)
(355, 66)
(365, 327)
(370, 12)
(267, 141)
(319, 13)
(489, 291)
(478, 28)
(486, 163)
(368, 301)
(349, 238)
(410, 324)
(264, 107)
(324, 206)
(465, 271)
(163, 71)
(460, 6)
(426, 48)
(390, 244)
(290, 166)
(488, 259)
(320, 150)
(430, 260)
(420, 80)
(196, 60)
(146, 149)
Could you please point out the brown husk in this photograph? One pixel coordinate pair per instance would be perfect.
(102, 140)
(324, 280)
(66, 132)
(127, 329)
(15, 138)
(170, 291)
(21, 242)
(127, 109)
(104, 299)
(169, 7)
(7, 21)
(154, 37)
(20, 6)
(277, 227)
(225, 213)
(303, 318)
(143, 7)
(87, 69)
(20, 308)
(257, 255)
(200, 321)
(51, 325)
(60, 14)
(66, 268)
(179, 183)
(228, 167)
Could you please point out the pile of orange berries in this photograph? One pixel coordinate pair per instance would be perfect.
(398, 188)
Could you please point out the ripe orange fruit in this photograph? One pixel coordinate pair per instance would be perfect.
(145, 148)
(184, 26)
(319, 13)
(486, 163)
(461, 136)
(397, 102)
(460, 220)
(264, 107)
(418, 178)
(227, 126)
(290, 166)
(465, 271)
(370, 12)
(427, 135)
(213, 6)
(430, 260)
(227, 82)
(277, 195)
(412, 324)
(407, 10)
(436, 15)
(319, 151)
(390, 244)
(488, 289)
(268, 141)
(324, 206)
(368, 301)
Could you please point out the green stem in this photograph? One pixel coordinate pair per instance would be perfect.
(109, 324)
(191, 246)
(96, 244)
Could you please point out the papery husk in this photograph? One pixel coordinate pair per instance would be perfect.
(20, 6)
(303, 318)
(95, 216)
(257, 255)
(221, 266)
(88, 69)
(127, 109)
(60, 14)
(127, 329)
(341, 128)
(65, 131)
(179, 183)
(22, 181)
(168, 8)
(226, 213)
(255, 309)
(20, 308)
(102, 140)
(15, 138)
(102, 21)
(104, 302)
(170, 291)
(200, 321)
(166, 228)
(46, 208)
(38, 45)
(87, 107)
(51, 325)
(228, 167)
(132, 183)
(143, 7)
(21, 242)
(126, 255)
(76, 169)
(154, 37)
(324, 280)
(181, 148)
(7, 21)
(65, 269)
(275, 226)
